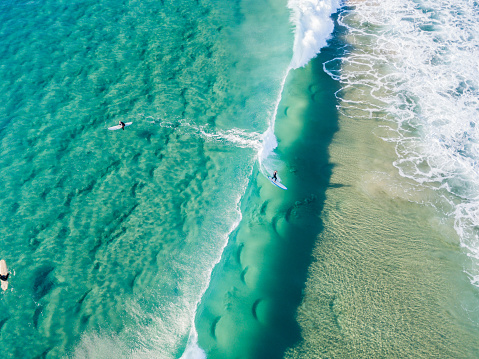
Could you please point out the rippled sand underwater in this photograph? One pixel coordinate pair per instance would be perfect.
(354, 260)
(111, 235)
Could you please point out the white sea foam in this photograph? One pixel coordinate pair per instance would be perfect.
(313, 26)
(236, 137)
(193, 350)
(266, 158)
(431, 91)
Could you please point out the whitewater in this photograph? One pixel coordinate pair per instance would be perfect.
(430, 95)
(313, 26)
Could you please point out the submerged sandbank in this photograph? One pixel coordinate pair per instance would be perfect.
(249, 309)
(375, 272)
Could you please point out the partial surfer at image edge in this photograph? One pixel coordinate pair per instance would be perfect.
(4, 274)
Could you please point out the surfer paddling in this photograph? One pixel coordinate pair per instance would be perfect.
(274, 178)
(122, 124)
(4, 278)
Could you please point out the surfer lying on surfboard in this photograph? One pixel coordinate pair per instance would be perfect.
(4, 277)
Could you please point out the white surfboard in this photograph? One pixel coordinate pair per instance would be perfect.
(3, 272)
(277, 183)
(117, 127)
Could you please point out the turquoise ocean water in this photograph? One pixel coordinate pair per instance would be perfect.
(165, 240)
(111, 235)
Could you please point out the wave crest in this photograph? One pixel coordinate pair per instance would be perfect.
(313, 27)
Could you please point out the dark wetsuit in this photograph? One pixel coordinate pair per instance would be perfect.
(274, 178)
(122, 125)
(4, 277)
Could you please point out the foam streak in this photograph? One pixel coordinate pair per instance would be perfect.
(420, 68)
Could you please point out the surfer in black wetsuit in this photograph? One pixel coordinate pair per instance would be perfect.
(4, 277)
(274, 178)
(122, 124)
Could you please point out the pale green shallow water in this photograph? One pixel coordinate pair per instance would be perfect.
(386, 279)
